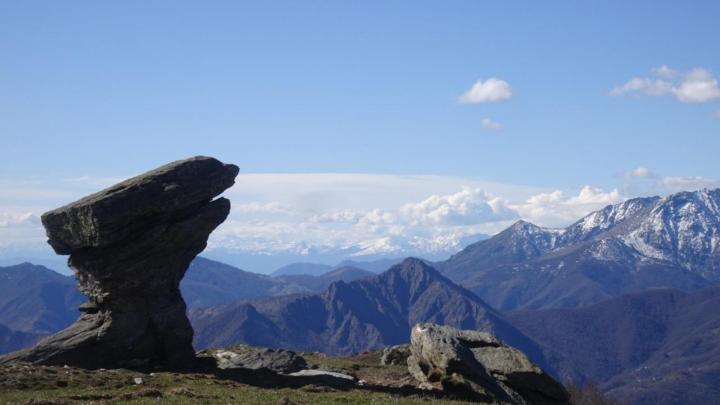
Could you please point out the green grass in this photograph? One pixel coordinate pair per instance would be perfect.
(57, 385)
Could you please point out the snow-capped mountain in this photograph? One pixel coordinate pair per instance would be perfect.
(683, 229)
(638, 244)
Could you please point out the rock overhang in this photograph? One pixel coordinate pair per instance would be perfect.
(112, 215)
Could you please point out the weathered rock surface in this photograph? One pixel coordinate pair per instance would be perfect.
(394, 355)
(129, 247)
(477, 364)
(243, 356)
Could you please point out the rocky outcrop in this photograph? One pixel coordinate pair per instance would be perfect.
(476, 364)
(129, 247)
(395, 355)
(255, 358)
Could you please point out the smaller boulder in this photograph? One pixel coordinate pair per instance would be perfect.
(395, 355)
(254, 358)
(324, 377)
(478, 365)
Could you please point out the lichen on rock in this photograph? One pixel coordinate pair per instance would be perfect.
(477, 364)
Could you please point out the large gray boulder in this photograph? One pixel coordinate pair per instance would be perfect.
(129, 247)
(476, 364)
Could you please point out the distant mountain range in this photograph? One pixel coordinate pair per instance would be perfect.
(639, 244)
(208, 282)
(323, 281)
(12, 340)
(381, 251)
(655, 347)
(36, 299)
(34, 302)
(39, 301)
(317, 269)
(302, 268)
(352, 317)
(624, 297)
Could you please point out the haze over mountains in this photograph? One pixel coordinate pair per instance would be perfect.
(622, 297)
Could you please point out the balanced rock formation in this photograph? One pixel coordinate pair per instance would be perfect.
(478, 365)
(129, 247)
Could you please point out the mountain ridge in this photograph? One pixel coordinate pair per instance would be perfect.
(361, 315)
(654, 347)
(641, 243)
(37, 300)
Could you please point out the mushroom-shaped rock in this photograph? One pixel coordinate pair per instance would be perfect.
(129, 247)
(476, 364)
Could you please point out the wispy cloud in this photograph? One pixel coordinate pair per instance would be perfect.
(674, 184)
(487, 123)
(665, 72)
(488, 91)
(643, 181)
(640, 172)
(696, 86)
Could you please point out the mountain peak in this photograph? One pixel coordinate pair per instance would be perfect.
(413, 263)
(363, 314)
(521, 223)
(412, 268)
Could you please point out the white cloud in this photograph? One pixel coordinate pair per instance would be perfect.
(487, 123)
(490, 90)
(696, 86)
(655, 184)
(665, 72)
(466, 207)
(555, 209)
(674, 184)
(435, 224)
(641, 172)
(592, 195)
(358, 214)
(16, 218)
(20, 228)
(651, 87)
(260, 208)
(337, 217)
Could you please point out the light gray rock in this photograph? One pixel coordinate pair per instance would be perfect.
(129, 247)
(315, 373)
(477, 364)
(395, 355)
(242, 356)
(323, 377)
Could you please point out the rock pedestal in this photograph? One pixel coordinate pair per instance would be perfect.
(478, 365)
(129, 247)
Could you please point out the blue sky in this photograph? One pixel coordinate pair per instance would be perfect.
(102, 90)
